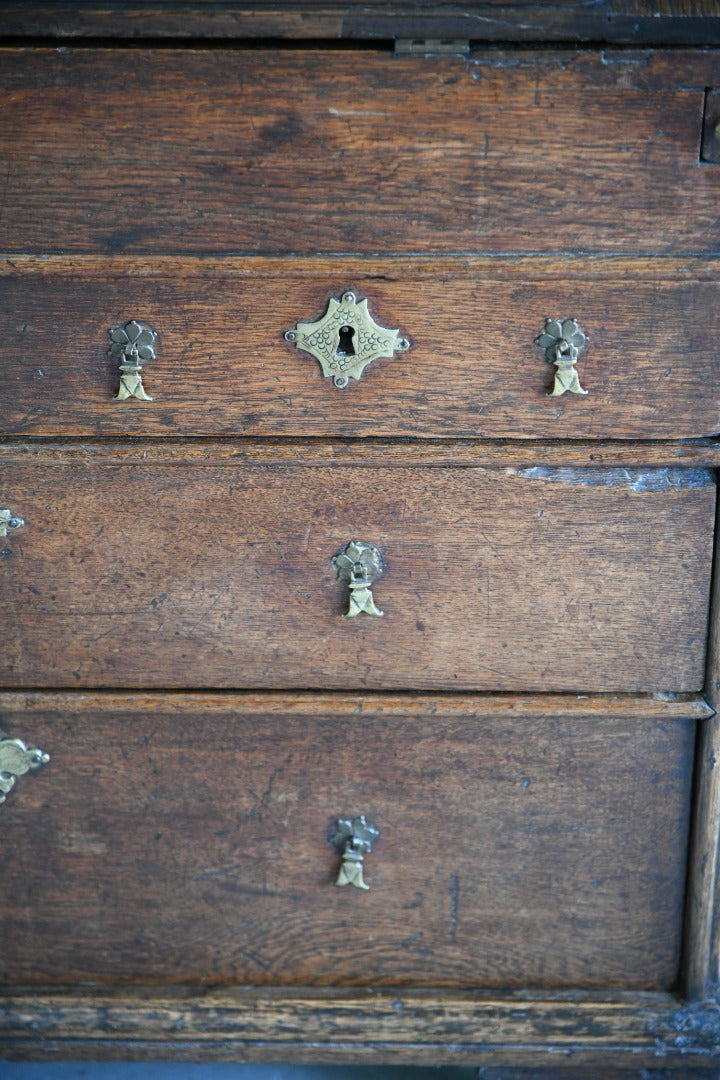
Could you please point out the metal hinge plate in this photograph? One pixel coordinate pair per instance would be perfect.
(431, 47)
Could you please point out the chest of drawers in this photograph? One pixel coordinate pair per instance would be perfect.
(530, 722)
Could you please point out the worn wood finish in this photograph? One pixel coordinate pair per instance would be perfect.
(267, 151)
(594, 1031)
(196, 851)
(609, 1072)
(363, 453)
(468, 267)
(394, 707)
(677, 22)
(701, 974)
(222, 367)
(527, 838)
(160, 575)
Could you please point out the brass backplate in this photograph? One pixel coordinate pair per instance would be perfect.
(346, 339)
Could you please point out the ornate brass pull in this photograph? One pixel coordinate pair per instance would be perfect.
(353, 839)
(133, 345)
(16, 758)
(346, 339)
(562, 340)
(9, 522)
(359, 564)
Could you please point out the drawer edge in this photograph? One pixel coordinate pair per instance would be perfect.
(309, 704)
(458, 453)
(244, 1024)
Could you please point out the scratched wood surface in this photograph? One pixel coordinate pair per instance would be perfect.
(623, 21)
(367, 453)
(593, 1030)
(155, 151)
(162, 575)
(156, 850)
(222, 367)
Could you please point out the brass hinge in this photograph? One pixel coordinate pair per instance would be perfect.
(431, 47)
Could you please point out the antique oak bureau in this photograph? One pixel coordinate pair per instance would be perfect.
(360, 388)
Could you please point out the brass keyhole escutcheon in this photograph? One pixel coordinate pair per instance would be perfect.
(345, 344)
(346, 339)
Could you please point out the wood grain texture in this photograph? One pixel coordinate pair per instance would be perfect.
(197, 851)
(590, 1030)
(165, 576)
(362, 453)
(701, 976)
(623, 21)
(151, 151)
(476, 707)
(650, 367)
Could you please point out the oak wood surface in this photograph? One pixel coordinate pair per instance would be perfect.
(464, 707)
(630, 21)
(542, 173)
(592, 1030)
(361, 453)
(701, 975)
(155, 151)
(197, 851)
(161, 575)
(222, 366)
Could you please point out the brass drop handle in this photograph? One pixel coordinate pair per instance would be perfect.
(133, 345)
(353, 839)
(358, 564)
(9, 522)
(16, 759)
(562, 340)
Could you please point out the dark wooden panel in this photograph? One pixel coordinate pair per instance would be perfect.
(548, 853)
(650, 366)
(512, 579)
(594, 1030)
(155, 151)
(629, 21)
(702, 943)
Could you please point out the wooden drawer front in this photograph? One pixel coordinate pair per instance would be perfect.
(154, 151)
(195, 574)
(222, 366)
(172, 841)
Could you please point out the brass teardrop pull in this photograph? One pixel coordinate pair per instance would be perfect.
(562, 340)
(16, 759)
(359, 563)
(9, 522)
(353, 839)
(133, 345)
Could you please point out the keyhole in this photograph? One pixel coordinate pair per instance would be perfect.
(345, 345)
